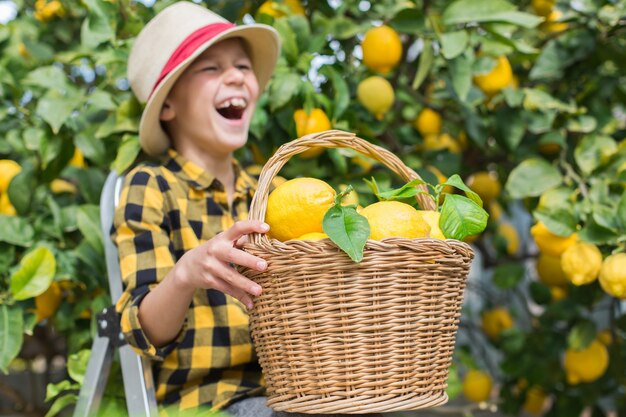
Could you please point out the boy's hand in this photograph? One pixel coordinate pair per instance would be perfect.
(210, 264)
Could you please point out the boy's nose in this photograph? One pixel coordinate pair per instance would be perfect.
(234, 75)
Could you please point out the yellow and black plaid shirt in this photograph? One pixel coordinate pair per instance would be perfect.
(164, 211)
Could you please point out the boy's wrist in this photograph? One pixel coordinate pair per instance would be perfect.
(180, 282)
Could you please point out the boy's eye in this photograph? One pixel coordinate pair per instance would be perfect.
(243, 67)
(209, 68)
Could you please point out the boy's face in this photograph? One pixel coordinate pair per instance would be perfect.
(210, 107)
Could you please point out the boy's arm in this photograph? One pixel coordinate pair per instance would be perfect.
(158, 290)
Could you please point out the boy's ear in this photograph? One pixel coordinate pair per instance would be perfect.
(167, 111)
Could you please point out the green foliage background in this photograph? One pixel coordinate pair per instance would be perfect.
(63, 86)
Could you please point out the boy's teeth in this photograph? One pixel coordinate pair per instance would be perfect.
(236, 102)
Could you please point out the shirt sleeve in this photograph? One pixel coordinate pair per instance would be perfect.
(141, 233)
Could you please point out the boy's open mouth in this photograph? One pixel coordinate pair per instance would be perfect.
(233, 108)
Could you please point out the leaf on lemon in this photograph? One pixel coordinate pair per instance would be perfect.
(347, 229)
(462, 217)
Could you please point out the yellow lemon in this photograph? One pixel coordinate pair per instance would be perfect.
(542, 7)
(59, 186)
(498, 78)
(550, 271)
(558, 293)
(510, 235)
(306, 124)
(434, 142)
(552, 24)
(393, 218)
(485, 184)
(47, 303)
(428, 122)
(586, 365)
(272, 8)
(613, 275)
(581, 263)
(297, 207)
(432, 218)
(6, 207)
(376, 95)
(535, 400)
(477, 385)
(78, 160)
(313, 236)
(22, 50)
(8, 169)
(495, 321)
(382, 49)
(278, 180)
(495, 210)
(548, 242)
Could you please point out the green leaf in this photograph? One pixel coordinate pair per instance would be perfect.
(347, 229)
(593, 151)
(50, 77)
(511, 127)
(466, 11)
(88, 220)
(425, 62)
(540, 293)
(55, 108)
(341, 92)
(456, 181)
(410, 20)
(605, 216)
(25, 180)
(455, 383)
(560, 221)
(289, 44)
(621, 210)
(582, 124)
(594, 233)
(126, 153)
(11, 336)
(406, 191)
(35, 273)
(461, 72)
(453, 43)
(581, 335)
(531, 178)
(282, 89)
(16, 231)
(77, 365)
(61, 403)
(535, 99)
(461, 217)
(99, 27)
(53, 390)
(507, 276)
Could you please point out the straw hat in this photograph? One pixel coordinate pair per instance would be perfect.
(170, 42)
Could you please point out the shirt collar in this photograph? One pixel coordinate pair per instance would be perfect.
(200, 179)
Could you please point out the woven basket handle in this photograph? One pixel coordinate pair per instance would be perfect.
(327, 139)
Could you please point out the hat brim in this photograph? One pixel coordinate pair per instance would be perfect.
(264, 47)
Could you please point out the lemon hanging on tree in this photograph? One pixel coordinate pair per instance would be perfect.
(550, 243)
(376, 95)
(581, 263)
(586, 365)
(314, 122)
(500, 76)
(382, 49)
(477, 385)
(613, 275)
(428, 122)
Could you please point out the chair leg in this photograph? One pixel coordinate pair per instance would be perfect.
(138, 384)
(96, 377)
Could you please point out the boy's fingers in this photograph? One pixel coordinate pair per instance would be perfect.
(241, 241)
(244, 227)
(238, 281)
(239, 257)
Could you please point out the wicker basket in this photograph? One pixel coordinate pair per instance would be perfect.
(334, 336)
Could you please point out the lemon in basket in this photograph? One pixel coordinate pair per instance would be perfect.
(297, 207)
(393, 218)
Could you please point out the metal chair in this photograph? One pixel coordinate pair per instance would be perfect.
(136, 370)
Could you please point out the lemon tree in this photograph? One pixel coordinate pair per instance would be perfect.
(522, 101)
